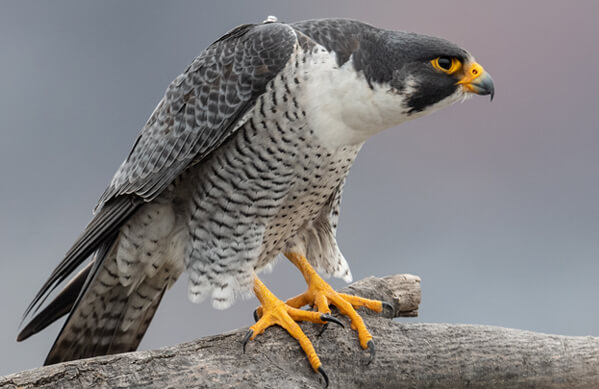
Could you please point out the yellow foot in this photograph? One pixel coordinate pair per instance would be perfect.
(320, 294)
(275, 312)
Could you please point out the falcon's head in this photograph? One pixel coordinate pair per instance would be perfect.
(384, 78)
(430, 72)
(427, 72)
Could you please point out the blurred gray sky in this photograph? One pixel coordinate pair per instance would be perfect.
(495, 205)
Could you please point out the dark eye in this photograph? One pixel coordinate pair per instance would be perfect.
(444, 63)
(448, 65)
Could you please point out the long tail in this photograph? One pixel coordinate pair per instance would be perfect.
(113, 299)
(108, 318)
(60, 306)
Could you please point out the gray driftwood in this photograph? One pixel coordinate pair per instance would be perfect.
(408, 356)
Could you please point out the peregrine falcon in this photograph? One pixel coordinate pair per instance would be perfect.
(244, 159)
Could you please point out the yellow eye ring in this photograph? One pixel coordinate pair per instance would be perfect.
(448, 65)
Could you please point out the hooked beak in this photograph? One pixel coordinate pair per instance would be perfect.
(477, 80)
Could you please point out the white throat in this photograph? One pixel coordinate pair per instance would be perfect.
(341, 107)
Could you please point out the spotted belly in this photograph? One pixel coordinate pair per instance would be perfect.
(273, 186)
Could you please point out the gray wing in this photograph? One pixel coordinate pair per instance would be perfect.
(200, 110)
(202, 106)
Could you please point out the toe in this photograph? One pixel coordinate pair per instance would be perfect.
(357, 302)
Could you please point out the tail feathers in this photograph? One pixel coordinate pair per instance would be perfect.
(85, 339)
(109, 317)
(100, 229)
(60, 306)
(137, 255)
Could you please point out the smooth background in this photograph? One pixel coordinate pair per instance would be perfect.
(495, 206)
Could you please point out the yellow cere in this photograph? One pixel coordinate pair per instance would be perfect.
(473, 71)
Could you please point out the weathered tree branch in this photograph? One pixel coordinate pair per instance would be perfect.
(408, 356)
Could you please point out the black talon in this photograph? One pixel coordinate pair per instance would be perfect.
(329, 318)
(370, 345)
(324, 327)
(325, 376)
(246, 338)
(388, 306)
(256, 318)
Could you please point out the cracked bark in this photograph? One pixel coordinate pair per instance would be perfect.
(409, 355)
